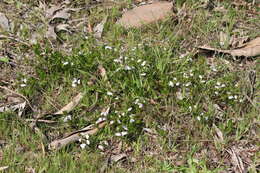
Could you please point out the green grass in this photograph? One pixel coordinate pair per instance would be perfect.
(154, 79)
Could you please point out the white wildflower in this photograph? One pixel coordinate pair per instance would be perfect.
(200, 76)
(23, 85)
(171, 84)
(101, 147)
(124, 133)
(108, 47)
(67, 118)
(65, 63)
(111, 122)
(109, 93)
(118, 134)
(230, 97)
(177, 84)
(198, 118)
(140, 105)
(131, 120)
(188, 84)
(87, 142)
(83, 146)
(143, 74)
(143, 63)
(129, 109)
(128, 67)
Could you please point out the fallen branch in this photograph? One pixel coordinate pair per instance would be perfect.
(60, 143)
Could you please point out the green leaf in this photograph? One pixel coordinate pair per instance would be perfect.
(4, 59)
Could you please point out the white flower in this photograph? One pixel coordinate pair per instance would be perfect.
(128, 67)
(24, 80)
(198, 118)
(67, 118)
(139, 60)
(203, 81)
(223, 85)
(216, 92)
(86, 136)
(105, 112)
(230, 97)
(105, 142)
(65, 63)
(108, 47)
(218, 83)
(118, 134)
(109, 93)
(131, 120)
(124, 127)
(100, 120)
(80, 140)
(101, 147)
(188, 84)
(129, 109)
(143, 74)
(23, 85)
(111, 122)
(124, 133)
(174, 78)
(171, 84)
(83, 146)
(136, 101)
(200, 76)
(88, 142)
(143, 63)
(140, 105)
(177, 84)
(235, 96)
(190, 108)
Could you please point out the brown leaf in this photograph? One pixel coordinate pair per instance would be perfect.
(4, 22)
(249, 49)
(145, 14)
(98, 30)
(75, 136)
(118, 157)
(219, 133)
(75, 101)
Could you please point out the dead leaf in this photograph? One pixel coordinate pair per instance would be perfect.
(4, 22)
(98, 30)
(219, 133)
(146, 14)
(117, 157)
(51, 33)
(250, 49)
(223, 37)
(102, 72)
(63, 27)
(62, 14)
(75, 101)
(75, 136)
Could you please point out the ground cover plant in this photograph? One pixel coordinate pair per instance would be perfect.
(80, 92)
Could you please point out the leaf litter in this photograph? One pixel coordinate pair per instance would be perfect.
(249, 49)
